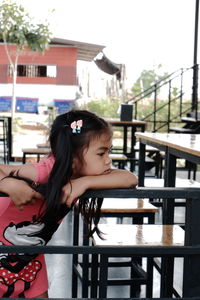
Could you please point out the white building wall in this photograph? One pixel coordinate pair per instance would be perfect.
(45, 93)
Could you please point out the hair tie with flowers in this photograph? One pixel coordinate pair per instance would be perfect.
(76, 126)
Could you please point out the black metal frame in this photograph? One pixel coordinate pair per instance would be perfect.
(171, 155)
(80, 269)
(133, 126)
(190, 252)
(6, 138)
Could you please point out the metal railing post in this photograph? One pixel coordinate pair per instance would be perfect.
(154, 105)
(169, 106)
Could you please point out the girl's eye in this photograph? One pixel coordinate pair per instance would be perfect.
(101, 154)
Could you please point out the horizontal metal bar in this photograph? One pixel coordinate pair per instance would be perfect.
(114, 251)
(142, 192)
(145, 192)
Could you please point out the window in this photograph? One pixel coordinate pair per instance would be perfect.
(51, 71)
(34, 71)
(42, 71)
(21, 70)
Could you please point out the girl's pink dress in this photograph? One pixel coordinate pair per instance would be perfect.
(24, 275)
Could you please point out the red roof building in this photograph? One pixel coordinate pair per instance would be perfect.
(48, 76)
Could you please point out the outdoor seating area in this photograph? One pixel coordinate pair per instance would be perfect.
(150, 245)
(100, 158)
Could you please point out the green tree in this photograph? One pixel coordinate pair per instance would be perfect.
(18, 28)
(146, 80)
(106, 108)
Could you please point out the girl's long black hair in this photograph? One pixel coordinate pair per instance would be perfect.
(64, 146)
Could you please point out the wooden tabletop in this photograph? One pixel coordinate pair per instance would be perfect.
(36, 150)
(140, 235)
(188, 143)
(118, 122)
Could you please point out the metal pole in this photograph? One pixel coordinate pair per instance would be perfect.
(195, 65)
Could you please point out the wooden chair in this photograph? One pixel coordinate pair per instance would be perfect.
(131, 235)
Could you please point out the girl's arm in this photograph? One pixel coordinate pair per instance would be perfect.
(20, 192)
(117, 178)
(27, 171)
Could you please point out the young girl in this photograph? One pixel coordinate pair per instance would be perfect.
(79, 160)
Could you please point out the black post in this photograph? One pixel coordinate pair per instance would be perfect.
(195, 65)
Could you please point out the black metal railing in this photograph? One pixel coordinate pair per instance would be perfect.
(167, 100)
(190, 251)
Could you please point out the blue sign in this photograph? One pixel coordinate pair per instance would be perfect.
(27, 105)
(5, 103)
(64, 105)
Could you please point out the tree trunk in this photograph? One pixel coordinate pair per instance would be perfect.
(14, 93)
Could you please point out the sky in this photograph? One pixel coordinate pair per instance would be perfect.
(138, 33)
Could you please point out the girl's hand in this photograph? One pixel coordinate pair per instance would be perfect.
(72, 190)
(19, 191)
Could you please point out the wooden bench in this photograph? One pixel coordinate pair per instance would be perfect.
(132, 235)
(40, 150)
(34, 151)
(120, 159)
(136, 209)
(153, 158)
(182, 130)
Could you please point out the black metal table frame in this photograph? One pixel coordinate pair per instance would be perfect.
(133, 127)
(171, 156)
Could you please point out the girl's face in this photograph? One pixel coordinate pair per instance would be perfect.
(96, 160)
